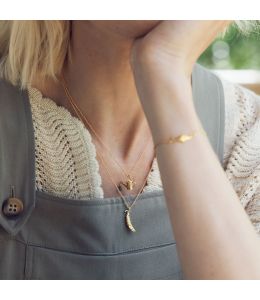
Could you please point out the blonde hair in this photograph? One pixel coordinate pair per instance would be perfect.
(30, 48)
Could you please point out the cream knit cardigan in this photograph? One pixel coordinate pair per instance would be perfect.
(66, 164)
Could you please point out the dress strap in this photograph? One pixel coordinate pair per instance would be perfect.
(17, 157)
(208, 97)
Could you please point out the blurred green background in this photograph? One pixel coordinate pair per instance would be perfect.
(236, 50)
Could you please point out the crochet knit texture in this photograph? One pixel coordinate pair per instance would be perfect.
(66, 164)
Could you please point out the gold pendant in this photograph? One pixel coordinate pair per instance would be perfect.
(130, 183)
(128, 221)
(184, 137)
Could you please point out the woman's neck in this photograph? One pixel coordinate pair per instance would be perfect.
(100, 79)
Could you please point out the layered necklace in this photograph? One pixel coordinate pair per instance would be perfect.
(130, 182)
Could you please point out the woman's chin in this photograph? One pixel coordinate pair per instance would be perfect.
(127, 28)
(140, 28)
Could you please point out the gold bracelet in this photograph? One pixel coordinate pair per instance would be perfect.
(181, 138)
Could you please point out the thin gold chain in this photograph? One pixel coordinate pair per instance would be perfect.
(180, 138)
(77, 110)
(122, 196)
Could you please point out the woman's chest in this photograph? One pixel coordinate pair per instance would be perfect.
(67, 163)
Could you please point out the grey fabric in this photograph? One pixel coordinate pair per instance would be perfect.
(61, 238)
(209, 99)
(16, 152)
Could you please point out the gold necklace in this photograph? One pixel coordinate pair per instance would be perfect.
(127, 216)
(130, 182)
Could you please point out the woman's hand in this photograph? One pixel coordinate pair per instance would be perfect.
(162, 63)
(176, 43)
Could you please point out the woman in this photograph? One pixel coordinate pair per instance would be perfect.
(129, 84)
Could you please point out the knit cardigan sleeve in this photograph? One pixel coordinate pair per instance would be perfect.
(242, 147)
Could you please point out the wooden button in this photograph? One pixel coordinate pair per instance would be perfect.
(12, 207)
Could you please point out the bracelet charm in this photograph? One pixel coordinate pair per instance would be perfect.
(181, 138)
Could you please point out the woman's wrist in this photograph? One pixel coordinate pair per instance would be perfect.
(166, 97)
(177, 121)
(148, 57)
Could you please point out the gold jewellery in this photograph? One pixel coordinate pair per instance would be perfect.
(130, 182)
(128, 221)
(181, 138)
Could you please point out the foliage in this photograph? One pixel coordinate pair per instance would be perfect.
(235, 50)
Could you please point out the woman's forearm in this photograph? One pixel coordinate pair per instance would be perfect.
(215, 238)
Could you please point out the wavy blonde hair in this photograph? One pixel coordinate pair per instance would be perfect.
(30, 48)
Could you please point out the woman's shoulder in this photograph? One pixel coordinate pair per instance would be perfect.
(242, 145)
(242, 114)
(241, 105)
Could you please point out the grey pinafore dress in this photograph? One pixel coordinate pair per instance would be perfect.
(61, 238)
